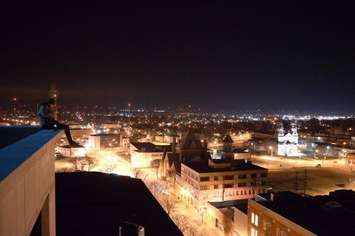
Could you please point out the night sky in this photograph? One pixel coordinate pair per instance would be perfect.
(220, 55)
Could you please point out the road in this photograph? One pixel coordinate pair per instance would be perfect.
(332, 175)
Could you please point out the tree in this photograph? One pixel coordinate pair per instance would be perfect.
(169, 204)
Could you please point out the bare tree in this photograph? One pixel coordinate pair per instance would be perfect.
(227, 225)
(169, 204)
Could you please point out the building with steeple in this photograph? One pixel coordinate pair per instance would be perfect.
(287, 137)
(287, 141)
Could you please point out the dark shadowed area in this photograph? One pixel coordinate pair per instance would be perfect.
(95, 204)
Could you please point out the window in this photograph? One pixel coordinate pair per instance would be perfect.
(263, 182)
(253, 175)
(228, 185)
(228, 177)
(263, 174)
(280, 232)
(203, 179)
(215, 186)
(254, 219)
(253, 184)
(242, 184)
(204, 187)
(244, 176)
(254, 232)
(267, 227)
(216, 178)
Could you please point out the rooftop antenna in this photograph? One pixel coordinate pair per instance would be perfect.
(54, 94)
(14, 107)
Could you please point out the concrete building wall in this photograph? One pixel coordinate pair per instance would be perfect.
(240, 223)
(30, 188)
(229, 220)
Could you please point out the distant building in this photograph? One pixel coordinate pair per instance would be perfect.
(241, 137)
(104, 141)
(220, 180)
(287, 213)
(69, 151)
(241, 153)
(166, 137)
(146, 154)
(288, 137)
(288, 141)
(189, 149)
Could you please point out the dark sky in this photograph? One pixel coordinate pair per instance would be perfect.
(219, 55)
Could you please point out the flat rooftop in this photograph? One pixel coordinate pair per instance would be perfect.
(150, 147)
(242, 205)
(322, 216)
(11, 134)
(18, 144)
(236, 165)
(95, 204)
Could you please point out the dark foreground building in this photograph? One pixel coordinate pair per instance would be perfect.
(288, 213)
(97, 204)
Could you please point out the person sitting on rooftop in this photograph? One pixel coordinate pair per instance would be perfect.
(46, 115)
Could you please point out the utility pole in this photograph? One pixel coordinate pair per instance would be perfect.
(305, 181)
(296, 182)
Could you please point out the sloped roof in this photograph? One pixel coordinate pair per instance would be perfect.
(190, 141)
(227, 139)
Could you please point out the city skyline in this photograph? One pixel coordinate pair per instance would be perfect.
(215, 56)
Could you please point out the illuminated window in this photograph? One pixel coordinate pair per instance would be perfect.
(204, 187)
(254, 232)
(254, 219)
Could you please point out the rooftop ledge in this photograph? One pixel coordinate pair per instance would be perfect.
(17, 144)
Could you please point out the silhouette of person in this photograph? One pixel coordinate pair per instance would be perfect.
(46, 115)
